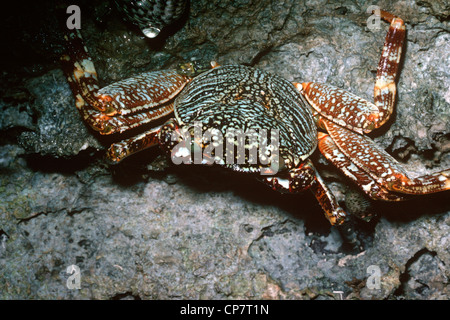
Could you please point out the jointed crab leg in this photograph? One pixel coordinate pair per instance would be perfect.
(307, 177)
(123, 105)
(109, 125)
(379, 165)
(368, 184)
(120, 150)
(371, 160)
(80, 72)
(385, 85)
(142, 92)
(352, 112)
(335, 214)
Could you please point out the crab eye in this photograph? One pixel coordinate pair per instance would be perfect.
(192, 69)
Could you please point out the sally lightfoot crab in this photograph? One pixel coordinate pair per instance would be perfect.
(304, 116)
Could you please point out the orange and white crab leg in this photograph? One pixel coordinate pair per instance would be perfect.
(306, 177)
(351, 111)
(80, 72)
(124, 104)
(145, 91)
(366, 183)
(120, 150)
(385, 84)
(379, 165)
(334, 213)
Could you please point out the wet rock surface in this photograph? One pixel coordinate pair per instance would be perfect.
(146, 229)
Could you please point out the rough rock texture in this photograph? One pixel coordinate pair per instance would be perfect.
(151, 230)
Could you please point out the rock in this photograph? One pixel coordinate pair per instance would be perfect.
(56, 136)
(151, 230)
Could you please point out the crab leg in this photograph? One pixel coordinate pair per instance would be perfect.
(80, 72)
(120, 150)
(306, 177)
(122, 105)
(352, 112)
(106, 125)
(381, 166)
(334, 213)
(376, 191)
(385, 85)
(142, 92)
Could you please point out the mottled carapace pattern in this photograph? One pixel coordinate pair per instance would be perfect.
(243, 98)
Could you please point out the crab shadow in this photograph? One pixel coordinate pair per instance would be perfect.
(302, 206)
(414, 208)
(214, 179)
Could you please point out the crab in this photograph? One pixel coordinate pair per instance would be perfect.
(222, 99)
